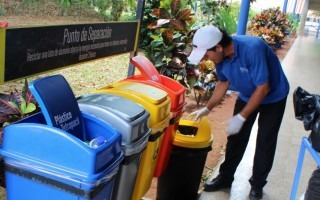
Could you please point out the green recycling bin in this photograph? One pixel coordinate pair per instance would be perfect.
(182, 177)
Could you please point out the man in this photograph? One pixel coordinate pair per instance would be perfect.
(249, 65)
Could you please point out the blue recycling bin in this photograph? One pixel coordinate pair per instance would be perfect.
(43, 162)
(47, 155)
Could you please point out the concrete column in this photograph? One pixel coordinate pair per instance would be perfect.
(303, 17)
(300, 7)
(243, 17)
(295, 6)
(289, 6)
(285, 3)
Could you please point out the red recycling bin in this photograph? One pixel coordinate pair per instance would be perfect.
(176, 92)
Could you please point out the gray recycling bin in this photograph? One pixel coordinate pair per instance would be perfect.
(132, 121)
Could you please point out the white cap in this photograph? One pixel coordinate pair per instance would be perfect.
(205, 38)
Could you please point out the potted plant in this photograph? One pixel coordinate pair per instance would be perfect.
(294, 24)
(270, 25)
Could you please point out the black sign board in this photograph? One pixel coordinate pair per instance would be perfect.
(35, 50)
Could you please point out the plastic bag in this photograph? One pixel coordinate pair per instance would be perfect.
(304, 105)
(307, 109)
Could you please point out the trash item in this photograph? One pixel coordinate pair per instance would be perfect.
(96, 142)
(307, 109)
(304, 103)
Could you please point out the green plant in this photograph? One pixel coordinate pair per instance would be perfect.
(227, 20)
(116, 10)
(222, 13)
(210, 8)
(145, 33)
(170, 34)
(65, 3)
(16, 105)
(112, 10)
(2, 10)
(293, 22)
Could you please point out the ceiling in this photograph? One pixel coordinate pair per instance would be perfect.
(314, 5)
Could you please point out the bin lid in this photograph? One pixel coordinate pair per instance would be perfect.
(128, 117)
(150, 93)
(154, 100)
(122, 107)
(150, 76)
(193, 134)
(58, 103)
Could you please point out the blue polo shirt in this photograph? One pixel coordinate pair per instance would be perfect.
(253, 63)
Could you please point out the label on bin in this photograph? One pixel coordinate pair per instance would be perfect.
(65, 121)
(58, 104)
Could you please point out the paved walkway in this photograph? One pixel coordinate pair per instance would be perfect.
(302, 67)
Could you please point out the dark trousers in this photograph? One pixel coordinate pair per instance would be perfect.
(269, 121)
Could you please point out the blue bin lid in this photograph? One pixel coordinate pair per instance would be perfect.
(58, 104)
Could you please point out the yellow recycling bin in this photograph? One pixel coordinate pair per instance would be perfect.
(182, 177)
(157, 103)
(193, 134)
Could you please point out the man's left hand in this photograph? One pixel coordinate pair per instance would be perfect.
(235, 124)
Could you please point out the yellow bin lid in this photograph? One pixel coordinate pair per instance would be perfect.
(154, 100)
(193, 134)
(146, 92)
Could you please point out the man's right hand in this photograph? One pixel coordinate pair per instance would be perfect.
(198, 114)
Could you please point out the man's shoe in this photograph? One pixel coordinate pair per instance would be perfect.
(216, 184)
(256, 193)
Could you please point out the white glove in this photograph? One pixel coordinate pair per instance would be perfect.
(199, 114)
(235, 124)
